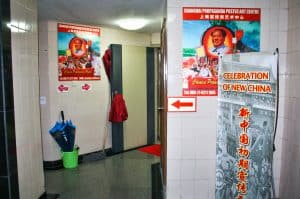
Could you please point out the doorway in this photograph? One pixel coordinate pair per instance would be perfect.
(75, 99)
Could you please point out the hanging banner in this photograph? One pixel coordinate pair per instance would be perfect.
(246, 119)
(78, 52)
(209, 32)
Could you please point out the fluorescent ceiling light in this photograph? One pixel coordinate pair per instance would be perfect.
(18, 27)
(132, 23)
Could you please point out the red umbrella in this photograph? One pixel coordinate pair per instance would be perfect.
(107, 62)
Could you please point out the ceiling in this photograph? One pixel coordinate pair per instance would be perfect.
(103, 12)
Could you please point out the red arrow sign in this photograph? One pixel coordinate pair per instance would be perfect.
(179, 104)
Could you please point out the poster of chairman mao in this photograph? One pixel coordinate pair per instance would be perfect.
(209, 32)
(78, 52)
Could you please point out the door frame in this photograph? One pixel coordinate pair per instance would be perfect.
(116, 85)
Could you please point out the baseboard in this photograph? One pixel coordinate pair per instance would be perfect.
(95, 156)
(88, 157)
(111, 153)
(49, 196)
(53, 165)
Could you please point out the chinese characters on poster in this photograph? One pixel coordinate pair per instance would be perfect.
(208, 33)
(78, 52)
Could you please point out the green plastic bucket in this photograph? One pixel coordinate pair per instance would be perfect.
(70, 159)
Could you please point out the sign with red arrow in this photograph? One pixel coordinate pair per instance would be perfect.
(182, 104)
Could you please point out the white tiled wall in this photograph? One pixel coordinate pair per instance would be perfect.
(290, 173)
(88, 110)
(192, 136)
(26, 100)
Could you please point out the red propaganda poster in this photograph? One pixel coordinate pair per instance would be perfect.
(78, 52)
(209, 33)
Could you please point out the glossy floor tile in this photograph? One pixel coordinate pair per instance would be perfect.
(122, 176)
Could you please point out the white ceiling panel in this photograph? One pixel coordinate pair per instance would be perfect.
(103, 12)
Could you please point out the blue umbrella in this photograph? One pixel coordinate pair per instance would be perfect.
(69, 130)
(64, 134)
(58, 134)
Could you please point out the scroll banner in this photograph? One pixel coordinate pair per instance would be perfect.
(246, 120)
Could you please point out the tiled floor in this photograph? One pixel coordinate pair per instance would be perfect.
(122, 176)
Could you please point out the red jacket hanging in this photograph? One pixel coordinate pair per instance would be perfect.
(118, 110)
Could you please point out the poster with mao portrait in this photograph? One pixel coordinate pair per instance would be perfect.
(78, 52)
(208, 33)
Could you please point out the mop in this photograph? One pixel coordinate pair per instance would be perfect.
(99, 155)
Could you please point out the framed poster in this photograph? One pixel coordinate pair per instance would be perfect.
(78, 52)
(211, 32)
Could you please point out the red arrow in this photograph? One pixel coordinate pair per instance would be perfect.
(179, 104)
